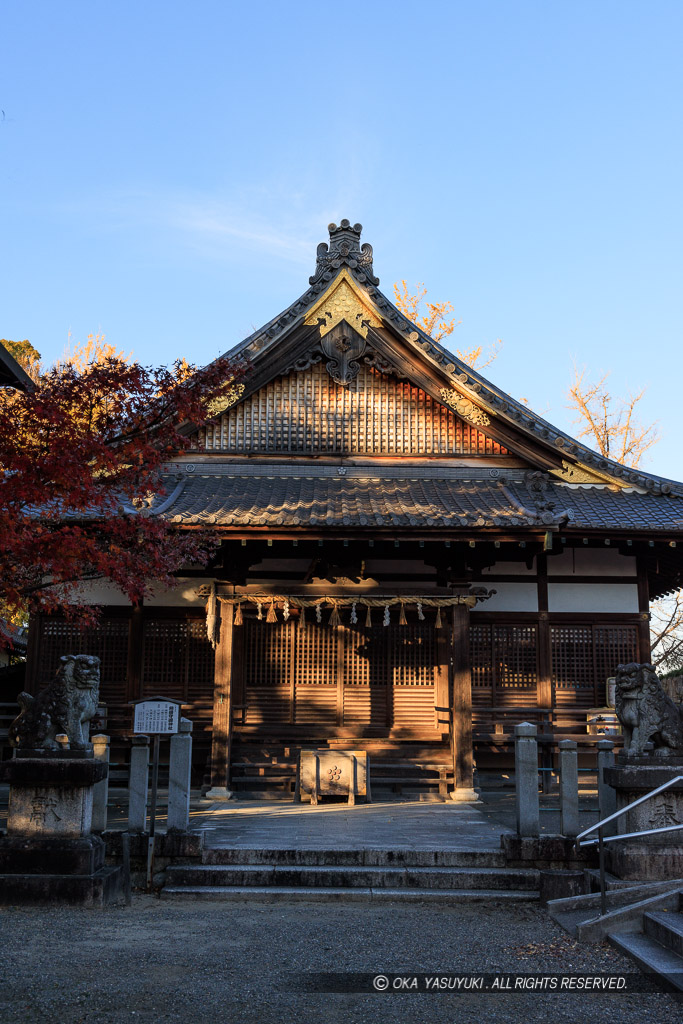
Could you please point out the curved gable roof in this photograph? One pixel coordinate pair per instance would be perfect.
(474, 397)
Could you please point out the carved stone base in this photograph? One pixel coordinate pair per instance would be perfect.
(48, 855)
(51, 796)
(218, 793)
(641, 862)
(465, 796)
(652, 857)
(97, 890)
(48, 870)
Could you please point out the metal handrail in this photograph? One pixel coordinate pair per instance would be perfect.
(601, 840)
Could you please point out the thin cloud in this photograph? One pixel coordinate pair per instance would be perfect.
(211, 227)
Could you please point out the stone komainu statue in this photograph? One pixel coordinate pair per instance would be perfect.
(64, 706)
(646, 713)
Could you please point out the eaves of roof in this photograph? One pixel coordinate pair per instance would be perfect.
(308, 499)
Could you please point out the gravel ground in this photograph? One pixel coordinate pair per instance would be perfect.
(189, 962)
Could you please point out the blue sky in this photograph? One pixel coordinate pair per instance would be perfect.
(168, 168)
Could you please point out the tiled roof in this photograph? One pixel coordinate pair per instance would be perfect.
(345, 252)
(375, 501)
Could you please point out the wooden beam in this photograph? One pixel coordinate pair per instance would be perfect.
(221, 742)
(461, 727)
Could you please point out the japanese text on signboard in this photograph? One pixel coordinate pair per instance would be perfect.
(156, 716)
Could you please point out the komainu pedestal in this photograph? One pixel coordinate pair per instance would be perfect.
(655, 857)
(653, 755)
(48, 854)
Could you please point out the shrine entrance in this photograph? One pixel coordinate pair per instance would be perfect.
(376, 679)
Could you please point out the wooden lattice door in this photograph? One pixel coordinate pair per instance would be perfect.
(377, 677)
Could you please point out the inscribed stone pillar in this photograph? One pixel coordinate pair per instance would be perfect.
(526, 779)
(179, 770)
(607, 796)
(569, 788)
(100, 794)
(137, 785)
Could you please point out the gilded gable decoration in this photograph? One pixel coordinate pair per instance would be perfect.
(466, 408)
(343, 316)
(342, 301)
(577, 473)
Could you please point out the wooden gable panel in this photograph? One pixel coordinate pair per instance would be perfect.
(306, 412)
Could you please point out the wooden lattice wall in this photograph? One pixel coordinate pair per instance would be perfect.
(108, 642)
(306, 411)
(381, 677)
(504, 662)
(583, 656)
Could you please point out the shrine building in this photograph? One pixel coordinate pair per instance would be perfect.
(411, 560)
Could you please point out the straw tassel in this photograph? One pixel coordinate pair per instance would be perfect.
(437, 624)
(402, 621)
(238, 614)
(334, 617)
(302, 617)
(212, 627)
(368, 617)
(271, 616)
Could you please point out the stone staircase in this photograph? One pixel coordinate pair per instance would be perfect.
(448, 876)
(657, 947)
(644, 920)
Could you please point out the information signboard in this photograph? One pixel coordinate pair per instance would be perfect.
(156, 717)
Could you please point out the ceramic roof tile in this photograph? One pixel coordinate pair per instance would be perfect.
(241, 500)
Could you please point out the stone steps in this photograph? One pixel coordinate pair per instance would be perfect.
(359, 857)
(347, 877)
(274, 893)
(658, 947)
(666, 929)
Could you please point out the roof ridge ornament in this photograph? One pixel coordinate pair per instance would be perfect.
(344, 249)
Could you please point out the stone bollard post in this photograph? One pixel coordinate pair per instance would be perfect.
(569, 788)
(100, 793)
(179, 769)
(137, 785)
(607, 796)
(526, 779)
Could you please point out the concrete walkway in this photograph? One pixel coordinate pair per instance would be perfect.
(397, 825)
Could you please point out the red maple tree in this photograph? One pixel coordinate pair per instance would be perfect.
(80, 459)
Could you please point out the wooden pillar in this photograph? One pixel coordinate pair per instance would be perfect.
(461, 728)
(544, 688)
(644, 652)
(544, 685)
(134, 665)
(31, 680)
(221, 742)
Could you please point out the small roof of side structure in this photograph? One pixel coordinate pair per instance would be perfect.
(342, 323)
(11, 373)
